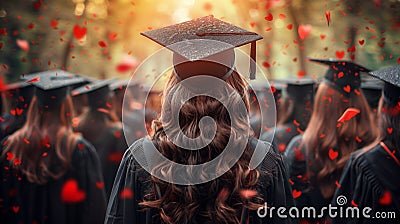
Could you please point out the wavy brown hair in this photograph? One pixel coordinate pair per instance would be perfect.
(45, 131)
(219, 200)
(323, 134)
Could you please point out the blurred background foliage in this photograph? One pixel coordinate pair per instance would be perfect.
(101, 38)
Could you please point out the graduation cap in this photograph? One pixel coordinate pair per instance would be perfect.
(372, 89)
(51, 87)
(205, 39)
(391, 88)
(300, 89)
(342, 75)
(98, 92)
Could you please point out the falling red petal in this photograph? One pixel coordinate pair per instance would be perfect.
(328, 17)
(348, 114)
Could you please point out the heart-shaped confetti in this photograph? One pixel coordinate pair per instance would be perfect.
(79, 32)
(70, 192)
(304, 31)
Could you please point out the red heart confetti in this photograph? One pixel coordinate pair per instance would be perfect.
(289, 27)
(328, 17)
(386, 198)
(340, 75)
(81, 146)
(281, 147)
(351, 49)
(126, 193)
(3, 31)
(347, 88)
(390, 130)
(266, 64)
(10, 156)
(269, 17)
(361, 42)
(322, 36)
(70, 193)
(282, 16)
(79, 32)
(17, 161)
(15, 209)
(54, 24)
(296, 193)
(304, 31)
(333, 154)
(100, 184)
(339, 54)
(102, 44)
(23, 44)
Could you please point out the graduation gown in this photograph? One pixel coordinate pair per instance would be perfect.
(57, 201)
(110, 145)
(303, 176)
(132, 183)
(370, 179)
(282, 136)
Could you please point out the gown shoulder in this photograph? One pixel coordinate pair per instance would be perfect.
(368, 181)
(72, 198)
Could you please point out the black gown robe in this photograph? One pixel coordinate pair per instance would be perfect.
(370, 179)
(132, 184)
(110, 145)
(302, 176)
(24, 202)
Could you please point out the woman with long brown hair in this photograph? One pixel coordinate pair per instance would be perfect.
(315, 160)
(101, 127)
(49, 174)
(371, 176)
(232, 197)
(296, 109)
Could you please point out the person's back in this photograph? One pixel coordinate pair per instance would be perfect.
(75, 197)
(370, 178)
(101, 127)
(49, 174)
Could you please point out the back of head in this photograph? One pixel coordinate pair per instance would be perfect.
(325, 133)
(45, 143)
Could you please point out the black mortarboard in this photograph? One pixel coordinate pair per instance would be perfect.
(97, 92)
(342, 75)
(300, 89)
(372, 89)
(185, 39)
(391, 89)
(52, 86)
